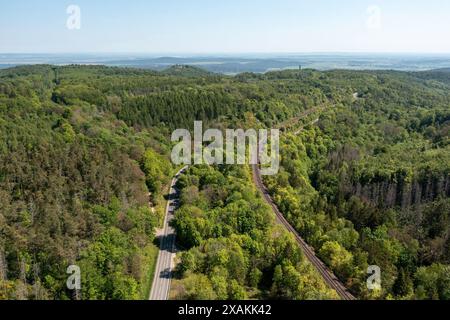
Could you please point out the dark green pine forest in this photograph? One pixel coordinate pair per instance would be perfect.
(85, 168)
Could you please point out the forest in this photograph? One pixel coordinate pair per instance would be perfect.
(370, 184)
(85, 165)
(234, 250)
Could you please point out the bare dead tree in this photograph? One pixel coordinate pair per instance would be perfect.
(37, 282)
(23, 272)
(3, 266)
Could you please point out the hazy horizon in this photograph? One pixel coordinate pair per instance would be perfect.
(238, 63)
(237, 53)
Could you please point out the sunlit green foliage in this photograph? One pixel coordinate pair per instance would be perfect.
(82, 157)
(233, 245)
(370, 183)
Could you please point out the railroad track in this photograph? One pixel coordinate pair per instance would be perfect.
(329, 277)
(293, 121)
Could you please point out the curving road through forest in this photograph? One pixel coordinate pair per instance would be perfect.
(164, 266)
(165, 263)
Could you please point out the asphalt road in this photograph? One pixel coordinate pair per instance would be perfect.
(165, 263)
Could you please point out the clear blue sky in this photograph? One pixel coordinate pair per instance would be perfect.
(228, 26)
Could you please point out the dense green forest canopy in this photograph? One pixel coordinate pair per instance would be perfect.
(84, 150)
(235, 250)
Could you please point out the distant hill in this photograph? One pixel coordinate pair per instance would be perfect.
(441, 75)
(235, 64)
(186, 71)
(446, 70)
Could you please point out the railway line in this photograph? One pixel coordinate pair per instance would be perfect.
(330, 279)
